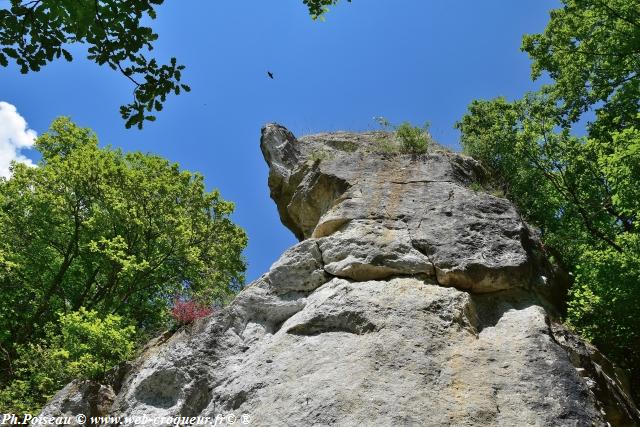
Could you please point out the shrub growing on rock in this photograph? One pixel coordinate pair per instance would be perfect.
(187, 311)
(413, 139)
(406, 139)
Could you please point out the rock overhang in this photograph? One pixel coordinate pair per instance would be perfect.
(378, 214)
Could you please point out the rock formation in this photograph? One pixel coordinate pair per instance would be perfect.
(411, 299)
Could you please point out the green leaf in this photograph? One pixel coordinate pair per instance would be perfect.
(67, 55)
(11, 52)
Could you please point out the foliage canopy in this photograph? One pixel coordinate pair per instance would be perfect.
(81, 345)
(119, 233)
(34, 33)
(591, 49)
(582, 192)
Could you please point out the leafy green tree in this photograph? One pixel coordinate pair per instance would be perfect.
(581, 192)
(591, 49)
(117, 233)
(81, 345)
(92, 344)
(36, 32)
(604, 300)
(583, 196)
(554, 177)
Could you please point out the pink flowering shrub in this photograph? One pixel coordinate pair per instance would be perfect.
(185, 312)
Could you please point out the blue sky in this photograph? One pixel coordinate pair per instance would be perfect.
(412, 60)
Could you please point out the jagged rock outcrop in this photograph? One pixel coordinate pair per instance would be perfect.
(411, 299)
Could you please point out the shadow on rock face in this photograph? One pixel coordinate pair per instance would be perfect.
(347, 321)
(161, 389)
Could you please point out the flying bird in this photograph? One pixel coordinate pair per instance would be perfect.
(270, 74)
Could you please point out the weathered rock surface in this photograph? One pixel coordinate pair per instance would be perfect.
(410, 300)
(88, 398)
(392, 214)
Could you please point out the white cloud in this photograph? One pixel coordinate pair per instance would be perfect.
(14, 136)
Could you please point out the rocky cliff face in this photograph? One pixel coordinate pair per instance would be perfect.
(411, 299)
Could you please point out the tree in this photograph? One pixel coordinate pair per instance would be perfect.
(591, 49)
(80, 345)
(583, 196)
(553, 176)
(582, 192)
(117, 233)
(36, 32)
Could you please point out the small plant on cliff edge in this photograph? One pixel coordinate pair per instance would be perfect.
(319, 155)
(410, 139)
(185, 312)
(475, 186)
(413, 139)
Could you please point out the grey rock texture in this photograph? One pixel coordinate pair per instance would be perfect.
(391, 214)
(410, 300)
(88, 398)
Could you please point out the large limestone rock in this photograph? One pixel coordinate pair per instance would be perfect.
(410, 300)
